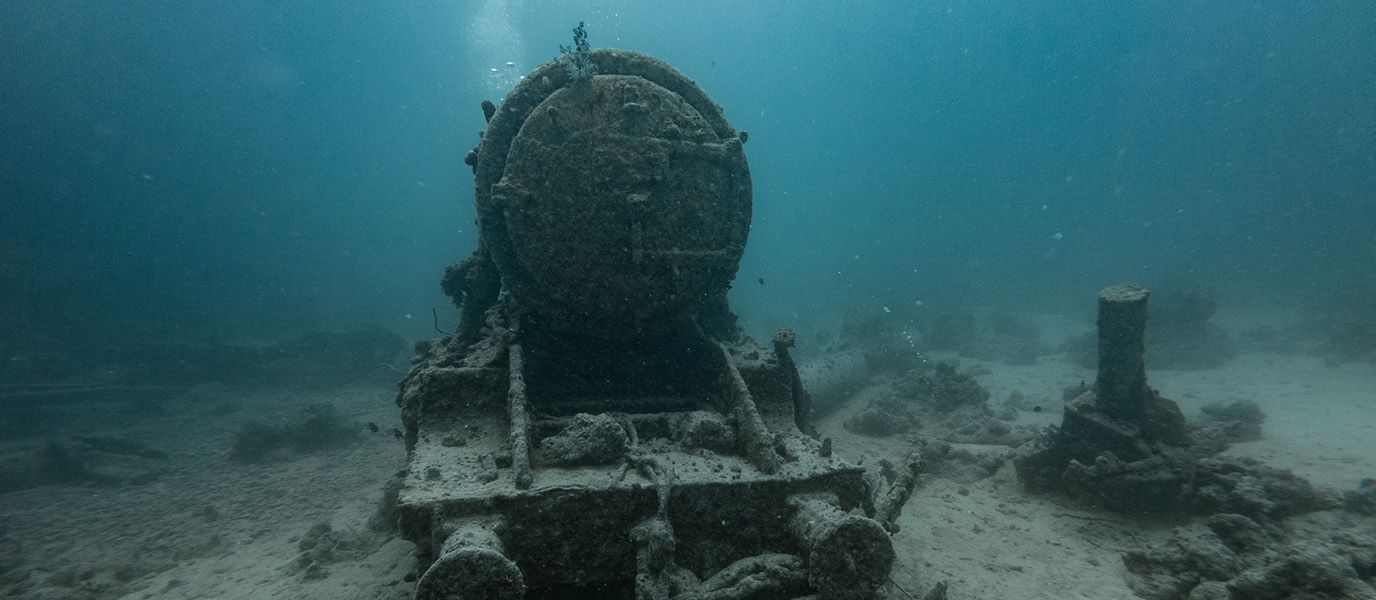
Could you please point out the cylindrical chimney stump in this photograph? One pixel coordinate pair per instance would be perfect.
(1122, 385)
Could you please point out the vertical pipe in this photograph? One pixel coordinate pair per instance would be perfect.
(519, 416)
(480, 284)
(802, 401)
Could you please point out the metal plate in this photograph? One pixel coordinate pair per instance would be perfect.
(621, 208)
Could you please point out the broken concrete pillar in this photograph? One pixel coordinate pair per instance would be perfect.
(472, 565)
(1122, 385)
(1120, 415)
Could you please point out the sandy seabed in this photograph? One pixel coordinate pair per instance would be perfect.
(209, 527)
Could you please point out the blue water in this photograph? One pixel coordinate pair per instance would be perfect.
(218, 169)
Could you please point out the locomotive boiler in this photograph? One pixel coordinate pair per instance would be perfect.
(598, 425)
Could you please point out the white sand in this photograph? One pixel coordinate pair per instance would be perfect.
(999, 542)
(987, 539)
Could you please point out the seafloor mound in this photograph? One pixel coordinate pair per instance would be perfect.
(1123, 447)
(1250, 530)
(942, 405)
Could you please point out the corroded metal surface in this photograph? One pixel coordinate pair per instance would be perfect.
(620, 203)
(604, 429)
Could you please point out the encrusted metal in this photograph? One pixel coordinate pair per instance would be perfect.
(599, 426)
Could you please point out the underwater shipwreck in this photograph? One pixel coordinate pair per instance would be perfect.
(598, 425)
